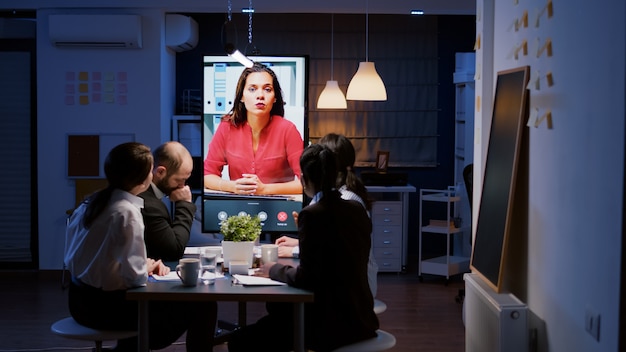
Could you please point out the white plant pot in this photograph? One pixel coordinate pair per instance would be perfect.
(238, 251)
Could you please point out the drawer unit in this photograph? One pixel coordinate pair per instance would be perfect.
(389, 214)
(387, 223)
(388, 258)
(390, 236)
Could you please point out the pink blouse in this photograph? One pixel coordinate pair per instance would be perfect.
(277, 158)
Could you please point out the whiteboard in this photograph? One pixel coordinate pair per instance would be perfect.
(510, 111)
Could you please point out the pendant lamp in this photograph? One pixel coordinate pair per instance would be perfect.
(366, 83)
(229, 47)
(332, 97)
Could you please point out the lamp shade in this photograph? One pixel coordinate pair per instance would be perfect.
(332, 97)
(366, 84)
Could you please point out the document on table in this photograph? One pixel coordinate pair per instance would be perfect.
(257, 281)
(171, 276)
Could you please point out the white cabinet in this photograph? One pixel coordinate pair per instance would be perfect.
(390, 208)
(448, 264)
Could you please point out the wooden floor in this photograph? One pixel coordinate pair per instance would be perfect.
(423, 316)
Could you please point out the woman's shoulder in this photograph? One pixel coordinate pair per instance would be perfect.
(280, 125)
(281, 121)
(228, 127)
(126, 201)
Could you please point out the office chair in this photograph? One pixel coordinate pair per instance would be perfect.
(379, 306)
(68, 327)
(468, 179)
(382, 342)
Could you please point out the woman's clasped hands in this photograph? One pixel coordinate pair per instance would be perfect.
(249, 184)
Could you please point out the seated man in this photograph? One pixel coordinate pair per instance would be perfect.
(166, 238)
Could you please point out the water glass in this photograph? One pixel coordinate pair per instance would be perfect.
(209, 264)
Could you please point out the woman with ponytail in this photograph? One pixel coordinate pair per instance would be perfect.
(106, 256)
(334, 250)
(351, 188)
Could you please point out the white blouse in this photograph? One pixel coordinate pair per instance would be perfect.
(111, 254)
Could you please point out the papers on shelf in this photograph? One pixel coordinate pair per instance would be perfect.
(257, 281)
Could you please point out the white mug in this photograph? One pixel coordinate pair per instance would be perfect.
(269, 253)
(188, 270)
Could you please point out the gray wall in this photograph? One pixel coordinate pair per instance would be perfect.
(567, 256)
(145, 115)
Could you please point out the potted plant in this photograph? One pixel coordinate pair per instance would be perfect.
(240, 233)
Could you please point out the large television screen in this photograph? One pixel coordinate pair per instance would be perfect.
(221, 74)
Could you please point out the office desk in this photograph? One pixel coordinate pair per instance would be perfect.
(222, 290)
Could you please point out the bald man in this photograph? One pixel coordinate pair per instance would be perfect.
(167, 237)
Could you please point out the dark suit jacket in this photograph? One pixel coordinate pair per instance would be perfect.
(334, 250)
(166, 238)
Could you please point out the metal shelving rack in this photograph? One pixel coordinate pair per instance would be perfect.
(446, 265)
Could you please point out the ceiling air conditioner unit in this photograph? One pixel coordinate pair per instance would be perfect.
(181, 32)
(95, 31)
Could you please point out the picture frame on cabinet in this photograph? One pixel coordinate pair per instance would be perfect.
(382, 161)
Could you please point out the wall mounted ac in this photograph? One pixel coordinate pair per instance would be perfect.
(95, 31)
(181, 32)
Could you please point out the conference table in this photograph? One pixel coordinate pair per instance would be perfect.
(224, 289)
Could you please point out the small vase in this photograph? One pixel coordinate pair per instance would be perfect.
(237, 251)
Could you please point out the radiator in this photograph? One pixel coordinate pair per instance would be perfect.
(494, 322)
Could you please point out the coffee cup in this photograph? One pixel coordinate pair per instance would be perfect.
(188, 270)
(269, 253)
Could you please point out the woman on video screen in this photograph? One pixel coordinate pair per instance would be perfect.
(261, 148)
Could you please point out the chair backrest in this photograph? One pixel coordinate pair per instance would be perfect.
(468, 179)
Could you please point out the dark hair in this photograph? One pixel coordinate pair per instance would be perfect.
(239, 112)
(171, 156)
(126, 166)
(346, 156)
(319, 167)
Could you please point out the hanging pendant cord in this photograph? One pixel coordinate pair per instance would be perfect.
(367, 40)
(332, 44)
(250, 22)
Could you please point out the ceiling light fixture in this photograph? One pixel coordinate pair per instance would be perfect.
(366, 83)
(229, 47)
(332, 97)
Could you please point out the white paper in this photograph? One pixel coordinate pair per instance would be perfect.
(172, 276)
(257, 281)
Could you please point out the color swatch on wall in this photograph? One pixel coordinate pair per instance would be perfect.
(87, 88)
